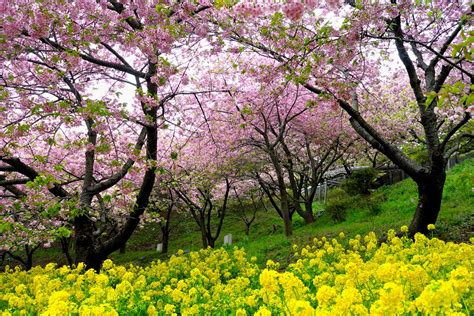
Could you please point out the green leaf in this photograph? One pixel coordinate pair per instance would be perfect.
(430, 97)
(63, 232)
(52, 211)
(246, 110)
(58, 167)
(5, 226)
(276, 19)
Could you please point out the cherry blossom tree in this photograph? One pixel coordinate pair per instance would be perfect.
(248, 199)
(290, 137)
(65, 68)
(202, 181)
(295, 137)
(163, 206)
(100, 95)
(425, 45)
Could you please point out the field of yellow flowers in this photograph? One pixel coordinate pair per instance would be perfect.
(330, 277)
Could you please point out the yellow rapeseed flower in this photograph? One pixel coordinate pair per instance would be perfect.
(402, 276)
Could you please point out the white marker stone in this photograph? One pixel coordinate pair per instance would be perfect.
(228, 239)
(159, 247)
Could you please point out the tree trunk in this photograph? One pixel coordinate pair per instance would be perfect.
(165, 240)
(86, 249)
(430, 192)
(123, 249)
(306, 213)
(94, 261)
(284, 199)
(211, 242)
(203, 236)
(308, 217)
(65, 242)
(247, 229)
(287, 220)
(165, 229)
(84, 240)
(29, 257)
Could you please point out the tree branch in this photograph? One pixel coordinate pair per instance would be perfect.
(24, 169)
(4, 183)
(97, 61)
(466, 118)
(446, 44)
(112, 180)
(407, 62)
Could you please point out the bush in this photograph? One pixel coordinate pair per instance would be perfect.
(337, 205)
(374, 203)
(361, 181)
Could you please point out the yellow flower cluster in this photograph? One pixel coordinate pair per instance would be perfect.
(331, 277)
(402, 276)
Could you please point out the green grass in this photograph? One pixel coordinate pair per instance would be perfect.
(267, 239)
(456, 222)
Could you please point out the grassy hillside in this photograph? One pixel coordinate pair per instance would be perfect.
(267, 240)
(456, 222)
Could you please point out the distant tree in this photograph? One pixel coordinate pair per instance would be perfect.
(250, 200)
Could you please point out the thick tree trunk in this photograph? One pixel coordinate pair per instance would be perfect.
(29, 257)
(430, 193)
(211, 242)
(84, 239)
(123, 249)
(94, 261)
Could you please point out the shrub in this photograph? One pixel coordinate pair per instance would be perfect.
(337, 205)
(374, 203)
(361, 181)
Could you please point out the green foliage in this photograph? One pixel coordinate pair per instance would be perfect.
(62, 232)
(95, 108)
(338, 204)
(464, 47)
(43, 180)
(218, 4)
(52, 210)
(374, 203)
(361, 181)
(5, 226)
